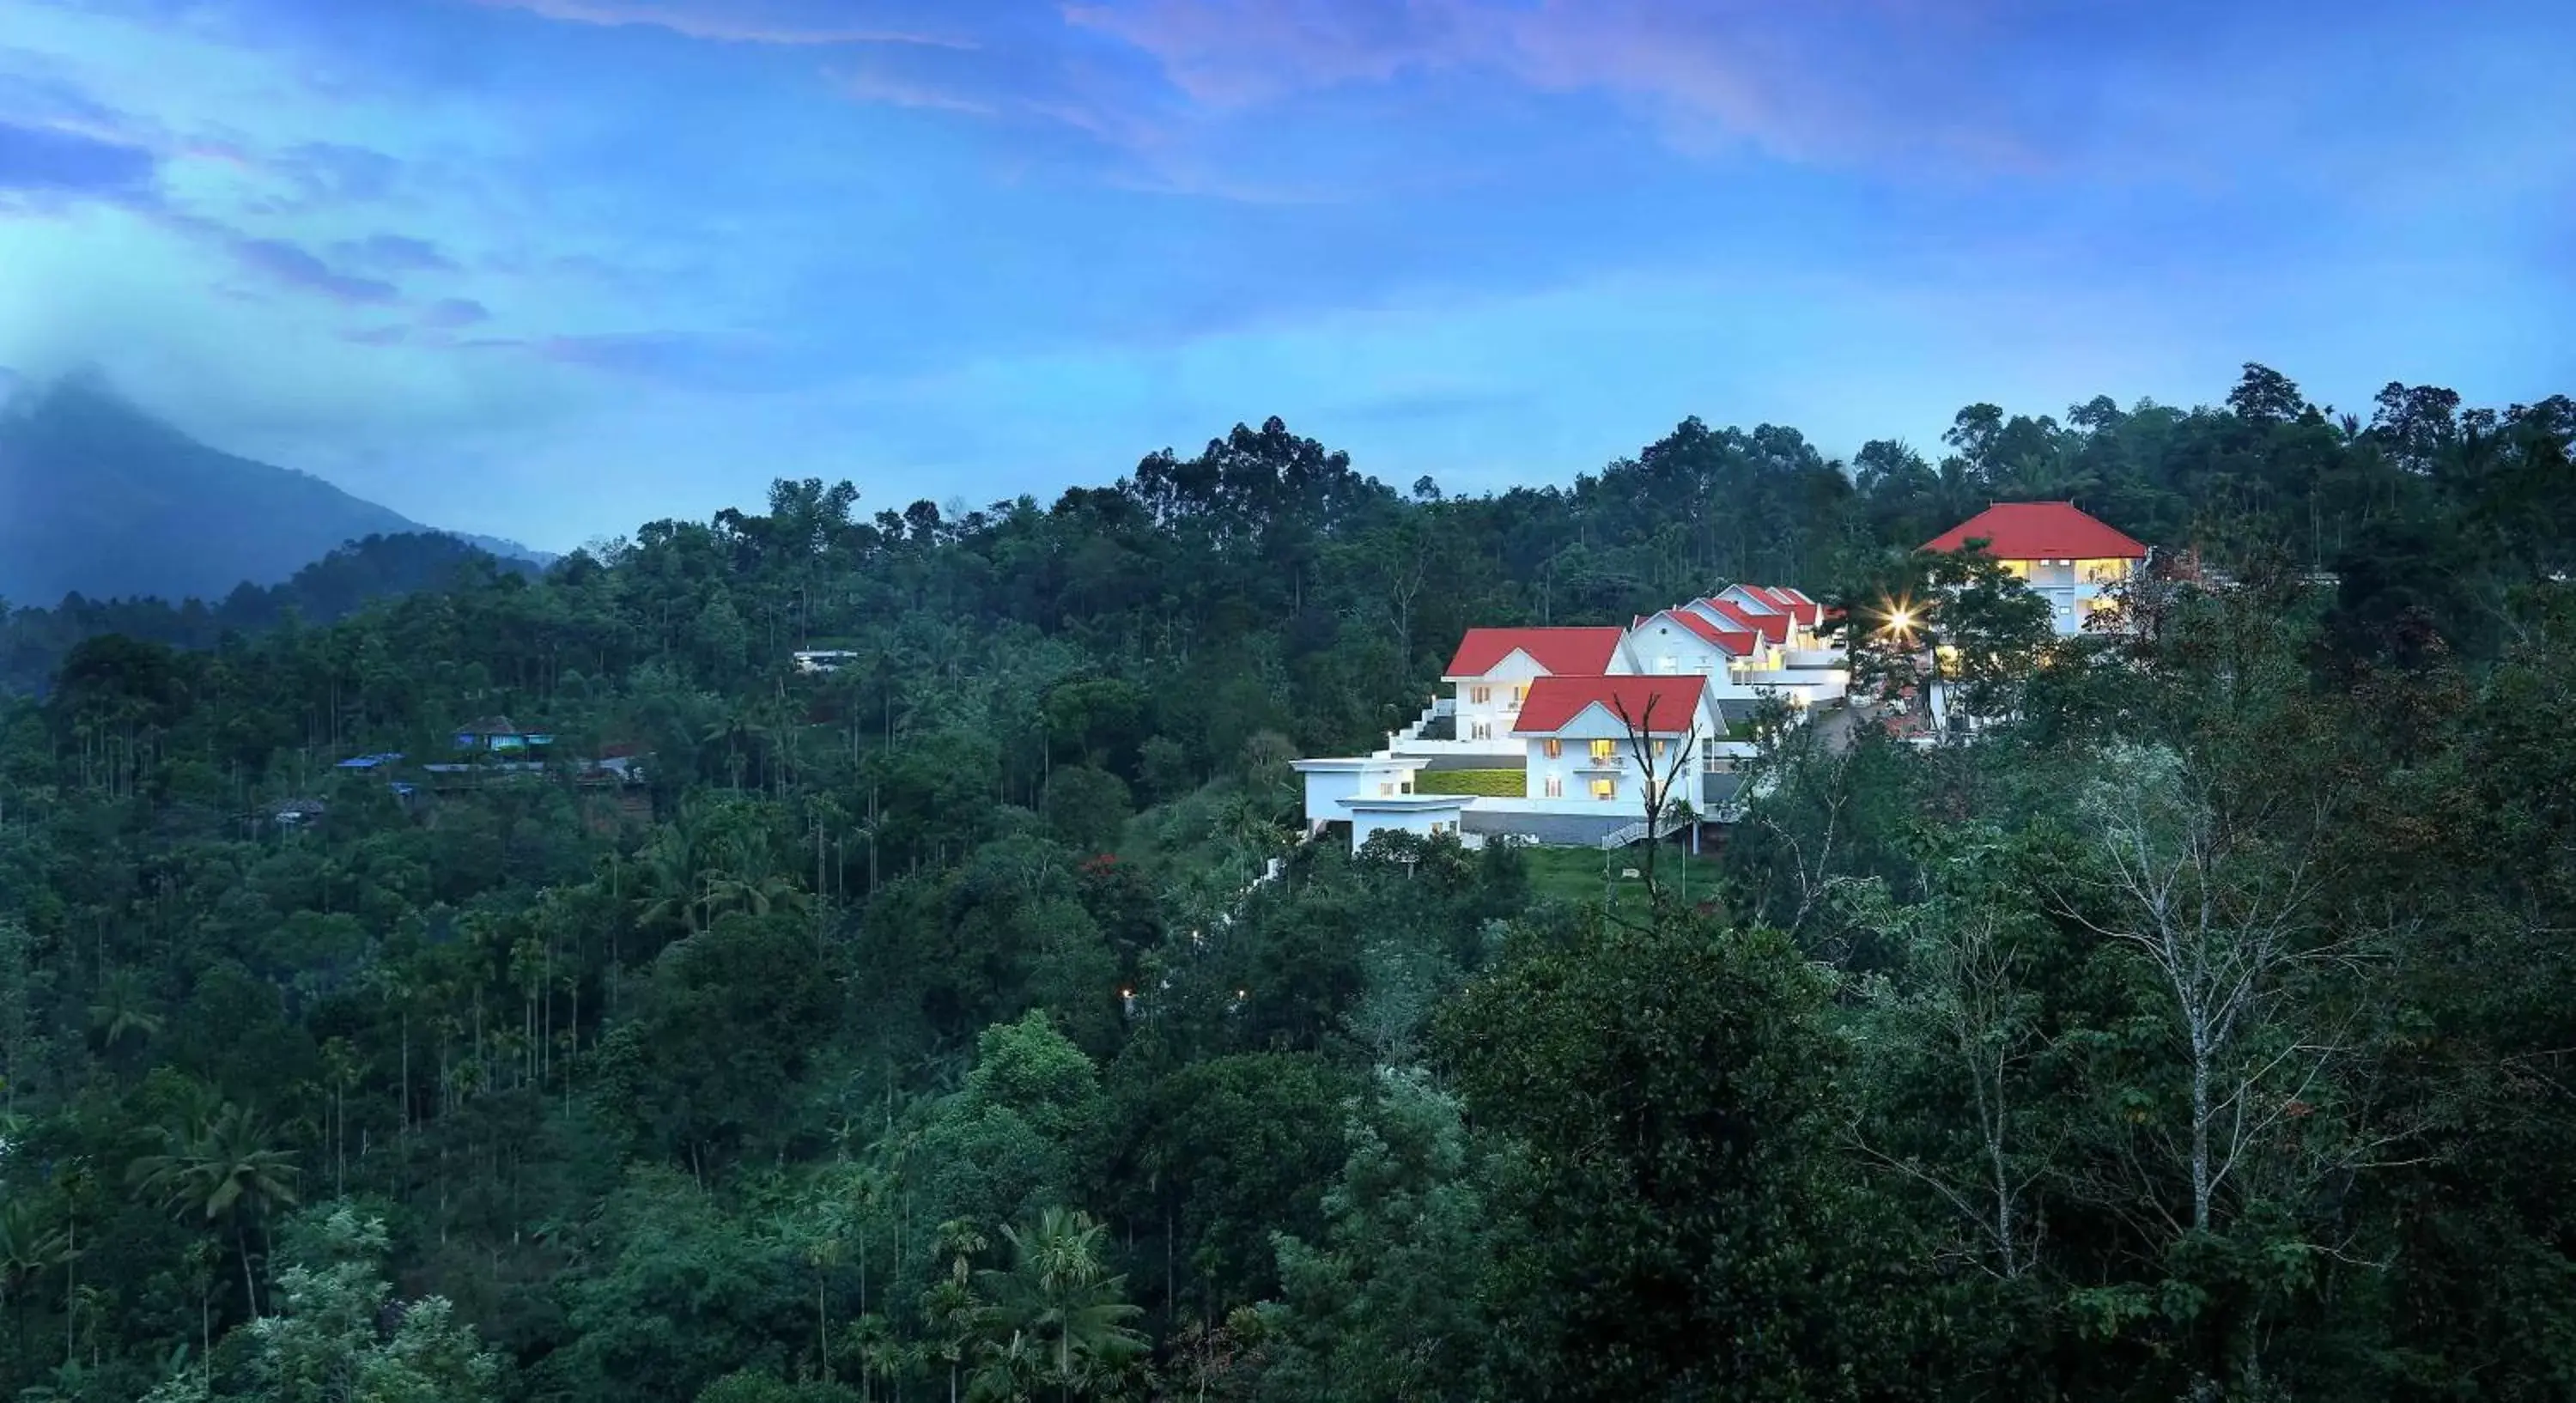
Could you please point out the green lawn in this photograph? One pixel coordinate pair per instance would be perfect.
(1575, 875)
(1497, 784)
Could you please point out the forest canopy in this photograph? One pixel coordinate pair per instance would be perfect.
(918, 1029)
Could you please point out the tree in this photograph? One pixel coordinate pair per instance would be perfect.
(1679, 1220)
(225, 1169)
(1057, 1302)
(338, 1335)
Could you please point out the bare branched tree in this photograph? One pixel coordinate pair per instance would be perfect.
(1963, 1007)
(1659, 773)
(2226, 916)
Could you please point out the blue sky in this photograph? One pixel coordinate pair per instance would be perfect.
(550, 268)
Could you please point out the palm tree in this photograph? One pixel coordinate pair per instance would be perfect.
(28, 1245)
(1058, 1296)
(671, 863)
(950, 1302)
(123, 1009)
(221, 1170)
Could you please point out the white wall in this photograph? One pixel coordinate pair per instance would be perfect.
(1329, 783)
(1502, 685)
(1501, 708)
(1659, 641)
(1575, 770)
(1422, 824)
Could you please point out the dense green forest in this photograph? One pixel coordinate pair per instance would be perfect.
(2206, 1031)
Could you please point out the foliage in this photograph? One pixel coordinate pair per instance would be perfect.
(919, 1028)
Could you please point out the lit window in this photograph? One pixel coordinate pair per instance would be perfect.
(1659, 750)
(1605, 789)
(1555, 748)
(1519, 694)
(1604, 752)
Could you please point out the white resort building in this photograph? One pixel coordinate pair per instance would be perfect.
(1552, 734)
(2065, 556)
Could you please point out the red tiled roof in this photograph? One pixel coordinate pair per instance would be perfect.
(1774, 627)
(1564, 652)
(1734, 640)
(2039, 531)
(1671, 704)
(1799, 606)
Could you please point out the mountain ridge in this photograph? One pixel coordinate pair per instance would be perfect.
(102, 499)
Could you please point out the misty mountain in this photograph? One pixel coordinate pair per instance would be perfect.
(98, 497)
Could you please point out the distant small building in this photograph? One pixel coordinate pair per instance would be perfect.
(824, 659)
(500, 733)
(370, 762)
(297, 813)
(2066, 557)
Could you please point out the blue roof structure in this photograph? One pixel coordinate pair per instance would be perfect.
(369, 762)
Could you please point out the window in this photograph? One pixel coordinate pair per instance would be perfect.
(1555, 788)
(1479, 696)
(1605, 752)
(1555, 748)
(1386, 789)
(1481, 730)
(1519, 693)
(1659, 750)
(1605, 789)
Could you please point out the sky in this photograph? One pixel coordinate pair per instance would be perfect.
(549, 269)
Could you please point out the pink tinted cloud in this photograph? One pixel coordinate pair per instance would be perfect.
(718, 21)
(1827, 79)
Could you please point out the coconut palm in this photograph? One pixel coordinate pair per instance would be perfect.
(221, 1170)
(1058, 1296)
(123, 1009)
(28, 1245)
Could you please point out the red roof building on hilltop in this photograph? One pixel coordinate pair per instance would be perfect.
(1671, 706)
(1561, 651)
(1774, 628)
(2072, 561)
(1806, 611)
(1739, 642)
(2040, 531)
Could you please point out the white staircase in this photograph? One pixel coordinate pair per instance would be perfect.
(1621, 837)
(1443, 706)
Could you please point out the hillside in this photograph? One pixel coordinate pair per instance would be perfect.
(2198, 1030)
(98, 497)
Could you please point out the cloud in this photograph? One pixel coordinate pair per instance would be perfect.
(296, 266)
(43, 161)
(903, 92)
(334, 172)
(1838, 79)
(453, 312)
(674, 357)
(719, 23)
(394, 253)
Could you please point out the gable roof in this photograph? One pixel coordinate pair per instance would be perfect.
(1564, 652)
(2039, 531)
(1799, 606)
(1773, 627)
(1737, 642)
(1671, 703)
